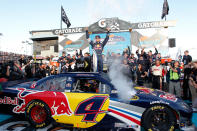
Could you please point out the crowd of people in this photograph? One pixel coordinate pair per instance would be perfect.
(144, 69)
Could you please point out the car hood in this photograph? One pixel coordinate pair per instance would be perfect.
(150, 97)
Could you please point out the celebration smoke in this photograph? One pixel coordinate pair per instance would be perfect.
(123, 84)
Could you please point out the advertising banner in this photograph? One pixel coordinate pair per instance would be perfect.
(117, 43)
(71, 42)
(147, 38)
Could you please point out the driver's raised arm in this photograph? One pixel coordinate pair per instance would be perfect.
(88, 37)
(106, 38)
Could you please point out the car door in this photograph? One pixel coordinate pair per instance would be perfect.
(83, 108)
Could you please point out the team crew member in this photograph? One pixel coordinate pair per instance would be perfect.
(157, 71)
(174, 86)
(98, 47)
(132, 63)
(187, 58)
(61, 60)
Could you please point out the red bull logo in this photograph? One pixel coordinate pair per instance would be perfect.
(57, 101)
(145, 90)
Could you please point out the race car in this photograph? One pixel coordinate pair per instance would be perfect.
(91, 101)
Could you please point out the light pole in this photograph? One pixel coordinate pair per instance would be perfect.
(28, 43)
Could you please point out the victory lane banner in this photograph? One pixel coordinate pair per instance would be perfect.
(117, 42)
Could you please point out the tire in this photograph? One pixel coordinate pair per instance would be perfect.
(159, 118)
(38, 114)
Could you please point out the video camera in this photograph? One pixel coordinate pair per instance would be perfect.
(170, 63)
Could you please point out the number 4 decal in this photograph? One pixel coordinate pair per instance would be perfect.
(90, 108)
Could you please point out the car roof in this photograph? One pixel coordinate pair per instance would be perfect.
(77, 74)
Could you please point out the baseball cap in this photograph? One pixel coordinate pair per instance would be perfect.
(97, 36)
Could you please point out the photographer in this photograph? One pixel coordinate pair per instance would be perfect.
(14, 71)
(22, 61)
(174, 85)
(39, 70)
(80, 61)
(193, 82)
(28, 69)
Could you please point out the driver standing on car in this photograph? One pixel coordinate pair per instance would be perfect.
(98, 47)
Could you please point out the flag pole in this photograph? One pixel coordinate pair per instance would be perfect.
(61, 19)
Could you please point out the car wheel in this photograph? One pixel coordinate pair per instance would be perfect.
(159, 118)
(38, 114)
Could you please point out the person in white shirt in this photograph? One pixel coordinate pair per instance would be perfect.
(157, 70)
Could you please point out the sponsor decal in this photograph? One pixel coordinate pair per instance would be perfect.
(159, 102)
(68, 85)
(116, 39)
(134, 98)
(9, 100)
(68, 30)
(112, 23)
(169, 97)
(33, 104)
(90, 108)
(33, 85)
(85, 75)
(154, 24)
(145, 90)
(57, 101)
(122, 125)
(157, 108)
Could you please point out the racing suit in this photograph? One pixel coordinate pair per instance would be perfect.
(98, 47)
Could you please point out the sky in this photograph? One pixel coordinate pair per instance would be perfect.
(18, 17)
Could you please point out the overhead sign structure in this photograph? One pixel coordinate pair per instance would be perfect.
(116, 25)
(154, 24)
(68, 31)
(69, 42)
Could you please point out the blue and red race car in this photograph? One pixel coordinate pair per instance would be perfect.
(90, 100)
